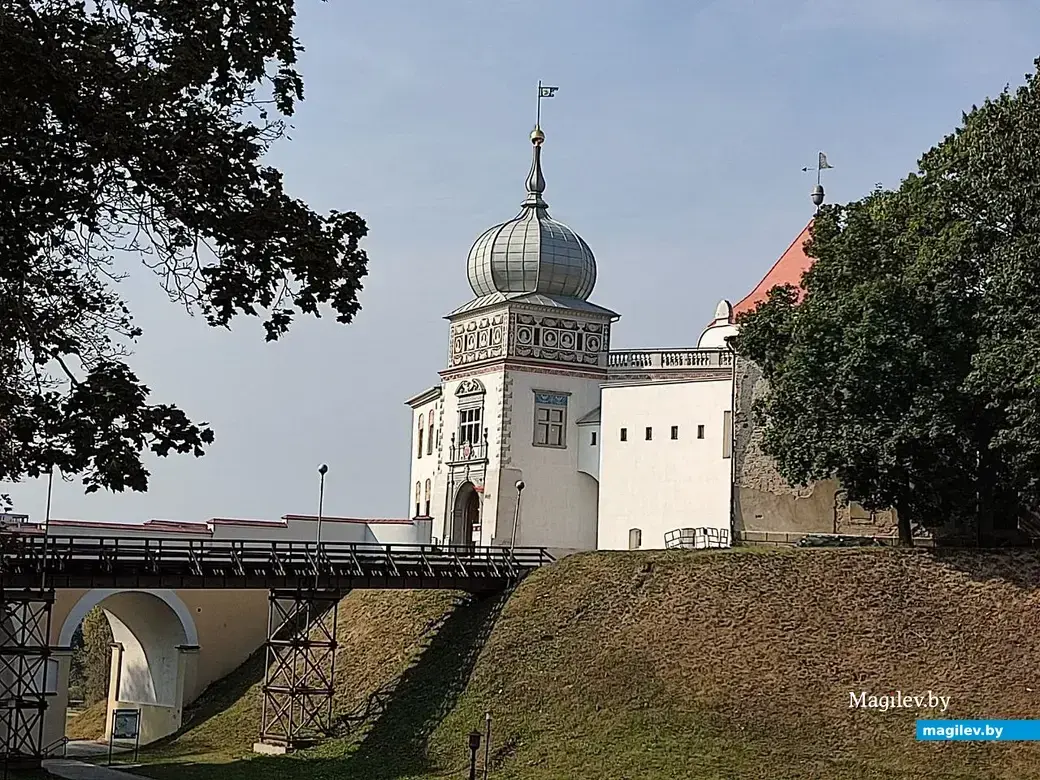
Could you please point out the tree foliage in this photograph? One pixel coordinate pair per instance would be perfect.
(135, 130)
(910, 368)
(92, 657)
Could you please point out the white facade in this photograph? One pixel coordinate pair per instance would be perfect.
(587, 489)
(559, 501)
(664, 461)
(533, 395)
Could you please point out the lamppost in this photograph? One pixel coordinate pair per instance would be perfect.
(46, 533)
(474, 746)
(516, 515)
(487, 742)
(322, 470)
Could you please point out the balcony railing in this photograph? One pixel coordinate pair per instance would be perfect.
(666, 359)
(468, 452)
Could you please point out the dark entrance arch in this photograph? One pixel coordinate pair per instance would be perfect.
(466, 515)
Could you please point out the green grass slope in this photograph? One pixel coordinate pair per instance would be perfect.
(648, 666)
(89, 723)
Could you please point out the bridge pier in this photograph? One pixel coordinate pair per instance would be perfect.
(25, 664)
(301, 667)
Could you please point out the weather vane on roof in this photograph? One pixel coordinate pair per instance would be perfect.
(821, 166)
(543, 92)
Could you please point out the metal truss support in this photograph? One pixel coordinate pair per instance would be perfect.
(25, 627)
(301, 668)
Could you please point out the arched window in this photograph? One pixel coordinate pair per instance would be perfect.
(418, 495)
(421, 426)
(429, 436)
(429, 485)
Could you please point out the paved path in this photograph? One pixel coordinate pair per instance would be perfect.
(84, 748)
(78, 770)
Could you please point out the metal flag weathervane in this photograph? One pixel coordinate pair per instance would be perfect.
(543, 92)
(821, 166)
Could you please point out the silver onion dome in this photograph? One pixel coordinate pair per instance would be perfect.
(532, 253)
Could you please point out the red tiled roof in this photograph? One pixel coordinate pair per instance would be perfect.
(246, 521)
(176, 526)
(787, 270)
(363, 520)
(160, 525)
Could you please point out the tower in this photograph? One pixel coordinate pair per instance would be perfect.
(526, 358)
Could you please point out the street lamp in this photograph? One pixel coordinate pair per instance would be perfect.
(46, 533)
(322, 470)
(516, 515)
(487, 742)
(474, 746)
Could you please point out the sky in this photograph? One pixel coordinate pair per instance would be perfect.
(674, 147)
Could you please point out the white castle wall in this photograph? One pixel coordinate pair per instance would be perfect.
(425, 465)
(559, 501)
(663, 484)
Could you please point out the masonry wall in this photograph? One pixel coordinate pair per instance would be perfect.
(768, 509)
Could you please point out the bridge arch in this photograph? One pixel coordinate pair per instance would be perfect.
(153, 629)
(93, 598)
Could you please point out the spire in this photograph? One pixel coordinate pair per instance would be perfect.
(535, 180)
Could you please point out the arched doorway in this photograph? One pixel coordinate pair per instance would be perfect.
(466, 519)
(155, 638)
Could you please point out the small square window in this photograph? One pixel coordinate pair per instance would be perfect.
(700, 431)
(593, 438)
(624, 434)
(649, 433)
(675, 432)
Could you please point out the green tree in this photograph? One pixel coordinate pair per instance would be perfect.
(910, 369)
(136, 129)
(95, 657)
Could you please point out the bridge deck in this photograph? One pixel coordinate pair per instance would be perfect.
(134, 562)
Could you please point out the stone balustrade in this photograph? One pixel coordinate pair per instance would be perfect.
(665, 359)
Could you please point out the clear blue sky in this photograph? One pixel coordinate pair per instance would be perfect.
(674, 146)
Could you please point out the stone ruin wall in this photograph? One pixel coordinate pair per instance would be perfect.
(768, 509)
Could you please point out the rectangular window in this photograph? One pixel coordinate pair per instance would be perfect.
(469, 425)
(635, 538)
(649, 433)
(675, 432)
(727, 434)
(593, 438)
(550, 419)
(624, 434)
(700, 431)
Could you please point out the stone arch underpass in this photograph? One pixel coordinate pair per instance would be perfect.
(157, 661)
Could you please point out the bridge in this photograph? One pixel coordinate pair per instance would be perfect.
(168, 598)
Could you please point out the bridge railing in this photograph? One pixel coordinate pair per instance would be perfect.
(24, 555)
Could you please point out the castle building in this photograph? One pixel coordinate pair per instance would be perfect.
(538, 434)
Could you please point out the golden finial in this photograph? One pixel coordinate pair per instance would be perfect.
(537, 136)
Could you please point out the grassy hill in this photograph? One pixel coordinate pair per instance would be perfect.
(659, 666)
